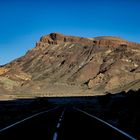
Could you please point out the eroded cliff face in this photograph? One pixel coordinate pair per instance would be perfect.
(65, 65)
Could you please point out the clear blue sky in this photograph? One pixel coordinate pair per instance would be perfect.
(23, 22)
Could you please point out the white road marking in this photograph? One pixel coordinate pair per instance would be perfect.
(122, 132)
(5, 128)
(55, 136)
(58, 125)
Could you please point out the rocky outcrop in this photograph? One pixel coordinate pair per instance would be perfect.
(3, 70)
(84, 65)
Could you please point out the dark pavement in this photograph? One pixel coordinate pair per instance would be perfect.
(52, 125)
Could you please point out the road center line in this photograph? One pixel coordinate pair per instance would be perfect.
(58, 125)
(55, 136)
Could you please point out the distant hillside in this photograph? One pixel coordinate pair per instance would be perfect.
(62, 65)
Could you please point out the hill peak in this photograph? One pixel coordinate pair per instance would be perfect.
(72, 65)
(103, 41)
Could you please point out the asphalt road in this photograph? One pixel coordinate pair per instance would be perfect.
(64, 123)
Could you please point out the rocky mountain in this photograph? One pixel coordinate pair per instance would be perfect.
(62, 65)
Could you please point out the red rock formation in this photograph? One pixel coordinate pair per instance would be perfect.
(94, 65)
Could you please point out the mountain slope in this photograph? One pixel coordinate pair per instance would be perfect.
(66, 65)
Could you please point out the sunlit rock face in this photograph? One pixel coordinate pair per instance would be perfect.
(65, 65)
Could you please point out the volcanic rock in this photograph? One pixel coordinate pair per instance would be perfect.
(62, 65)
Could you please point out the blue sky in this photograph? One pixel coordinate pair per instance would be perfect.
(23, 22)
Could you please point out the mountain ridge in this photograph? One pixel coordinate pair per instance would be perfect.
(69, 65)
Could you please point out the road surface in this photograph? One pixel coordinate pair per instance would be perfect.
(63, 123)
